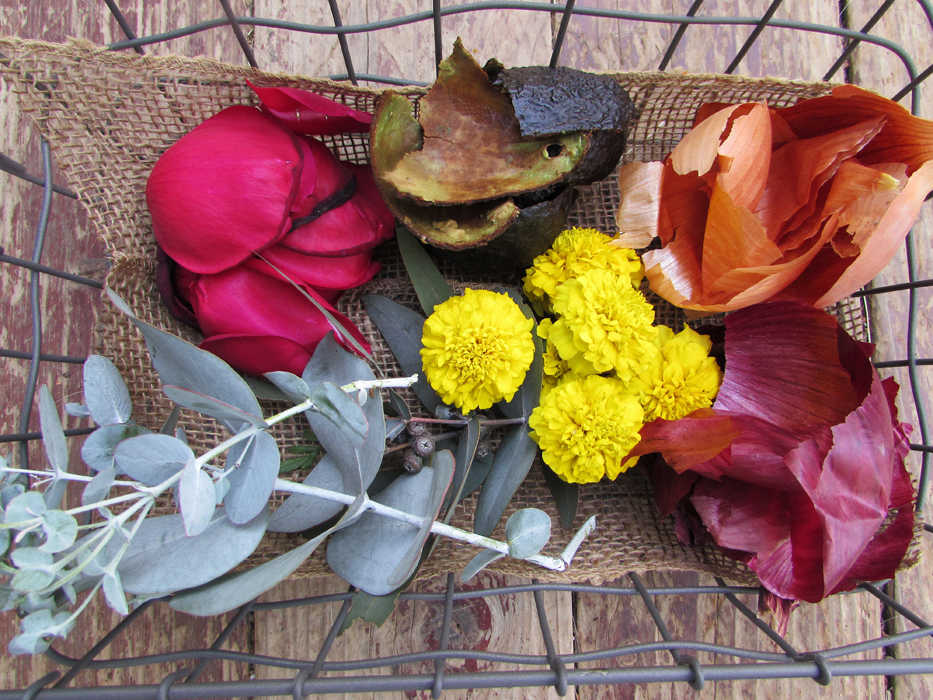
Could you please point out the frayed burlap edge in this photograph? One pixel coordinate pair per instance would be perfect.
(108, 117)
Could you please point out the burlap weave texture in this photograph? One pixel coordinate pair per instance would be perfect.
(109, 116)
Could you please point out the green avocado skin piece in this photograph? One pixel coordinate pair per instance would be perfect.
(473, 171)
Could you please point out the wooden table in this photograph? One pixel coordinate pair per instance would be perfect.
(580, 622)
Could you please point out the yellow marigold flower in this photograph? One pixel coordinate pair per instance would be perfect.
(575, 251)
(585, 427)
(604, 324)
(476, 349)
(554, 368)
(680, 378)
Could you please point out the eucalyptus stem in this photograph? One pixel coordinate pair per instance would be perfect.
(437, 527)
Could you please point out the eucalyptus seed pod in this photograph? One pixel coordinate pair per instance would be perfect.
(416, 428)
(412, 462)
(482, 450)
(423, 445)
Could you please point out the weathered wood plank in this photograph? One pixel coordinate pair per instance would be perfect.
(880, 70)
(493, 623)
(69, 312)
(603, 44)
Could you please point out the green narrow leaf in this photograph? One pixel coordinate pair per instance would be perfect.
(478, 563)
(466, 452)
(401, 327)
(566, 496)
(512, 462)
(429, 284)
(477, 474)
(370, 608)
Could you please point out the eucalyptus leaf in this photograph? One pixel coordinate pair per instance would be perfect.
(566, 496)
(264, 390)
(28, 580)
(398, 404)
(98, 488)
(38, 623)
(527, 531)
(358, 464)
(334, 403)
(291, 385)
(378, 554)
(179, 363)
(512, 462)
(478, 563)
(374, 609)
(466, 452)
(477, 474)
(170, 425)
(299, 512)
(27, 644)
(238, 589)
(78, 410)
(430, 285)
(395, 427)
(255, 465)
(4, 540)
(161, 558)
(105, 393)
(152, 458)
(25, 507)
(32, 558)
(12, 491)
(114, 593)
(207, 405)
(97, 450)
(53, 436)
(60, 529)
(196, 498)
(401, 327)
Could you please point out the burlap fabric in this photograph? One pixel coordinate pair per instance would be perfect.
(109, 116)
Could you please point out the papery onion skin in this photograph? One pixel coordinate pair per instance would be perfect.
(805, 483)
(761, 205)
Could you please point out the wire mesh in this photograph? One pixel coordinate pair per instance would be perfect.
(315, 673)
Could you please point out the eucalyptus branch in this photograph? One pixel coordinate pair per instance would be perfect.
(439, 528)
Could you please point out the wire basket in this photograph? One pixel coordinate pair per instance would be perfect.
(680, 629)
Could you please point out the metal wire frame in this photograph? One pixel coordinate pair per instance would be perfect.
(555, 669)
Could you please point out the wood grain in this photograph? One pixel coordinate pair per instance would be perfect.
(878, 69)
(502, 623)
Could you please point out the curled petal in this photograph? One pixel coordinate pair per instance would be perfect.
(355, 226)
(309, 113)
(904, 138)
(242, 302)
(224, 190)
(321, 272)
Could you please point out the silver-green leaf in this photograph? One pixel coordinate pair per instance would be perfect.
(105, 393)
(195, 498)
(60, 530)
(152, 458)
(527, 531)
(378, 554)
(255, 467)
(430, 286)
(512, 462)
(478, 563)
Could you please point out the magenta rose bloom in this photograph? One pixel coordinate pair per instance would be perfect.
(248, 208)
